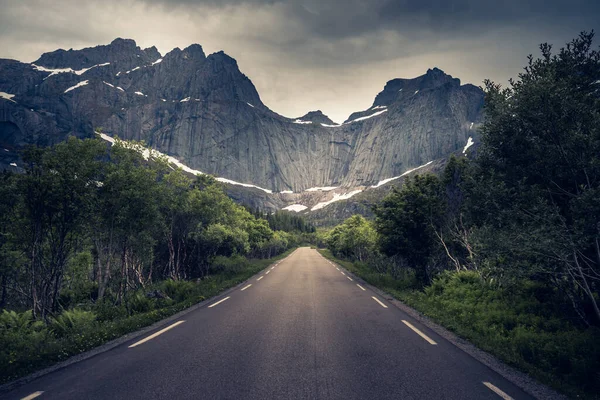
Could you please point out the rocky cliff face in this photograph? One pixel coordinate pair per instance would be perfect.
(204, 111)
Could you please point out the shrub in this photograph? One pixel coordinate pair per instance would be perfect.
(73, 322)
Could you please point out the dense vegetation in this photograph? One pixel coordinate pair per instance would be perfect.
(504, 248)
(98, 241)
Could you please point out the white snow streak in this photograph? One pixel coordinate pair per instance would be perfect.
(140, 93)
(243, 184)
(287, 192)
(321, 189)
(135, 69)
(56, 71)
(299, 121)
(250, 105)
(367, 117)
(186, 99)
(383, 182)
(378, 107)
(330, 126)
(469, 144)
(471, 127)
(13, 164)
(416, 91)
(7, 96)
(336, 197)
(106, 83)
(157, 61)
(147, 153)
(80, 84)
(295, 208)
(120, 88)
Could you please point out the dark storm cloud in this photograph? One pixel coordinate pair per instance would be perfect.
(338, 19)
(310, 54)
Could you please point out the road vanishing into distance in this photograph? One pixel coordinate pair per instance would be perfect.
(301, 329)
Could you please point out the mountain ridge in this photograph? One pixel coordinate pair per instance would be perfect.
(204, 111)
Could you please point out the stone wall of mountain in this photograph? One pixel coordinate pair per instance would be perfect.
(204, 111)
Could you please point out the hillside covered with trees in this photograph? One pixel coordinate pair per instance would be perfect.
(503, 247)
(98, 241)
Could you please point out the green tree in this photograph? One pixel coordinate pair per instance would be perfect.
(407, 219)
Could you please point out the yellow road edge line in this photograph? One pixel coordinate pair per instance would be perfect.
(156, 334)
(379, 301)
(497, 391)
(418, 332)
(219, 302)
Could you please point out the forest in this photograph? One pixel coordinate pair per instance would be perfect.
(503, 247)
(97, 241)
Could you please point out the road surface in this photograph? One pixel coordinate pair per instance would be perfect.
(301, 329)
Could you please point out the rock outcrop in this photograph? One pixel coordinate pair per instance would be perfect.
(204, 111)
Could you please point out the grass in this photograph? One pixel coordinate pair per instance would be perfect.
(27, 346)
(522, 326)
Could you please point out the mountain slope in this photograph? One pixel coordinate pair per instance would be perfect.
(204, 111)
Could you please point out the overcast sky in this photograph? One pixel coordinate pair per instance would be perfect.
(302, 55)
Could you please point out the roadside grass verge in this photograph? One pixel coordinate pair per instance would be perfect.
(521, 326)
(27, 346)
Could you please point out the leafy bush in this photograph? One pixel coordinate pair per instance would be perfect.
(229, 266)
(73, 322)
(178, 290)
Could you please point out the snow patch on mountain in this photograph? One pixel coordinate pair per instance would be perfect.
(157, 61)
(469, 144)
(56, 71)
(367, 117)
(250, 105)
(7, 96)
(383, 182)
(295, 208)
(330, 126)
(287, 192)
(106, 83)
(336, 197)
(80, 84)
(140, 93)
(299, 121)
(184, 100)
(321, 189)
(147, 153)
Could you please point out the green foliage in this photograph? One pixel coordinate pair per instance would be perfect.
(355, 238)
(73, 321)
(504, 248)
(407, 220)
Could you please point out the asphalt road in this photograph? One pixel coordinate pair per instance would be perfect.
(303, 330)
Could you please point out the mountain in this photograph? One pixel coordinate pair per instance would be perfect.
(205, 112)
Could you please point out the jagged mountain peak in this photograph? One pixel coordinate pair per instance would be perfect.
(124, 51)
(316, 117)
